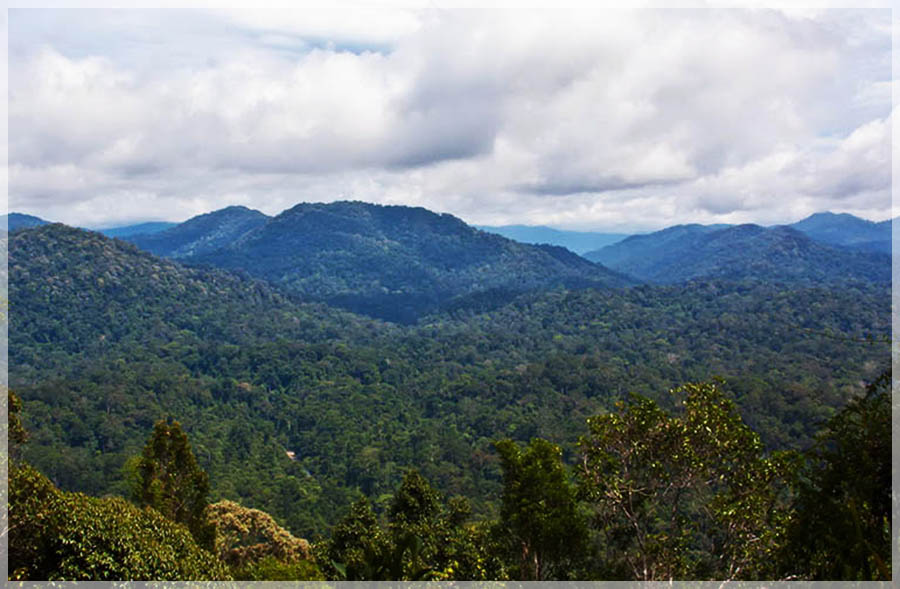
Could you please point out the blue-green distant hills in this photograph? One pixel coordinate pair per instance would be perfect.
(579, 242)
(398, 263)
(842, 249)
(138, 229)
(847, 231)
(17, 221)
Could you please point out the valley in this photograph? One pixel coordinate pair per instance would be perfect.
(106, 339)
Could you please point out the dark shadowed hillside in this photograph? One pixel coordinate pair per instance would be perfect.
(390, 262)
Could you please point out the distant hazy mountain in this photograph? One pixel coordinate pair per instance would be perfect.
(391, 262)
(847, 231)
(16, 221)
(139, 229)
(579, 242)
(202, 234)
(651, 246)
(744, 251)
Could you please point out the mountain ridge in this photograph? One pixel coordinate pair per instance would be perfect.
(779, 253)
(388, 261)
(201, 234)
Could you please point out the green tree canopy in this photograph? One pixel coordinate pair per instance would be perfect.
(688, 496)
(842, 528)
(173, 483)
(539, 515)
(56, 535)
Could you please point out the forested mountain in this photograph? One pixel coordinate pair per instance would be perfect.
(16, 221)
(651, 245)
(777, 253)
(390, 262)
(81, 293)
(106, 339)
(847, 231)
(138, 229)
(201, 234)
(579, 242)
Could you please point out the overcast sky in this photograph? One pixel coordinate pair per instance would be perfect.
(617, 121)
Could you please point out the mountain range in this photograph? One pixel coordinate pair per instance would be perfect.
(390, 262)
(400, 263)
(106, 339)
(847, 231)
(780, 253)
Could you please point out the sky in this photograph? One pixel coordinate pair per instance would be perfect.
(628, 120)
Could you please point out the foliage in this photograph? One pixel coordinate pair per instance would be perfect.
(248, 536)
(357, 546)
(690, 496)
(56, 535)
(425, 540)
(106, 340)
(842, 527)
(439, 533)
(16, 432)
(173, 483)
(539, 516)
(269, 568)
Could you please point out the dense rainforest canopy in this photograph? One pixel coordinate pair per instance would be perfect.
(427, 450)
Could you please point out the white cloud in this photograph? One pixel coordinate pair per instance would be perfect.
(577, 118)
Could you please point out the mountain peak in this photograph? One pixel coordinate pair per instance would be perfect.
(845, 230)
(16, 221)
(780, 253)
(202, 234)
(390, 261)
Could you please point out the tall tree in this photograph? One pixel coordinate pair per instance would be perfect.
(539, 512)
(842, 527)
(257, 548)
(688, 496)
(358, 548)
(171, 481)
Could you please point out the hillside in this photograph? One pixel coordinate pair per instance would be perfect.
(579, 242)
(139, 229)
(201, 234)
(17, 221)
(649, 246)
(847, 231)
(390, 262)
(106, 339)
(777, 253)
(84, 293)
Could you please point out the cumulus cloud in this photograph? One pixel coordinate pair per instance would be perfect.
(629, 119)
